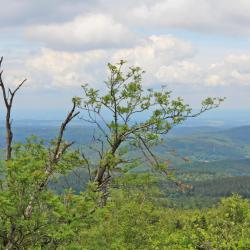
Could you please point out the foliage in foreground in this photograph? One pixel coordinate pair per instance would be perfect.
(131, 221)
(135, 217)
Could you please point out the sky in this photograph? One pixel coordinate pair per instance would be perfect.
(197, 48)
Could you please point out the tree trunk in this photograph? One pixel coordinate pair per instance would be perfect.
(9, 135)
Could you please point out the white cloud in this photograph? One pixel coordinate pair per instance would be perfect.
(53, 69)
(25, 12)
(234, 69)
(79, 37)
(155, 52)
(180, 73)
(166, 59)
(91, 31)
(170, 60)
(224, 16)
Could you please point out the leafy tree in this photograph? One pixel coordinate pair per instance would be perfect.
(129, 117)
(26, 203)
(29, 210)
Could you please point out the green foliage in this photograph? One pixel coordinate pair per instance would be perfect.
(24, 186)
(135, 213)
(127, 114)
(136, 216)
(131, 221)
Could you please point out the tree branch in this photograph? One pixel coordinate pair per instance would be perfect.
(59, 151)
(8, 104)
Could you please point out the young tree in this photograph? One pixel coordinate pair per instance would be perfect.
(126, 114)
(26, 203)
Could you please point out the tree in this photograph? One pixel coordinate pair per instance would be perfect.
(26, 203)
(8, 97)
(126, 114)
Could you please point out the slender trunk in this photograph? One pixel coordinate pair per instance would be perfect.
(102, 179)
(4, 237)
(100, 173)
(102, 169)
(11, 244)
(9, 135)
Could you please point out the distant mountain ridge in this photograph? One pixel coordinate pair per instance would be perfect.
(203, 156)
(241, 133)
(200, 143)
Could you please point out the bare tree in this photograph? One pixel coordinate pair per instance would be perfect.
(8, 98)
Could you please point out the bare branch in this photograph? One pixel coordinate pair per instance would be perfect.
(58, 151)
(56, 156)
(8, 101)
(88, 165)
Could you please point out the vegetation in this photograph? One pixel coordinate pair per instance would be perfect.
(118, 206)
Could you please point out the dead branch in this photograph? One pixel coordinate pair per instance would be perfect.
(59, 151)
(8, 97)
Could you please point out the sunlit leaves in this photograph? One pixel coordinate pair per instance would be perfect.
(125, 112)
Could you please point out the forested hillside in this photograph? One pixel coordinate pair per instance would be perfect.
(123, 182)
(196, 154)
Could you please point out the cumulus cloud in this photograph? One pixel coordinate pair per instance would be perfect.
(21, 13)
(166, 59)
(184, 72)
(156, 52)
(224, 16)
(170, 60)
(53, 69)
(84, 32)
(232, 70)
(79, 37)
